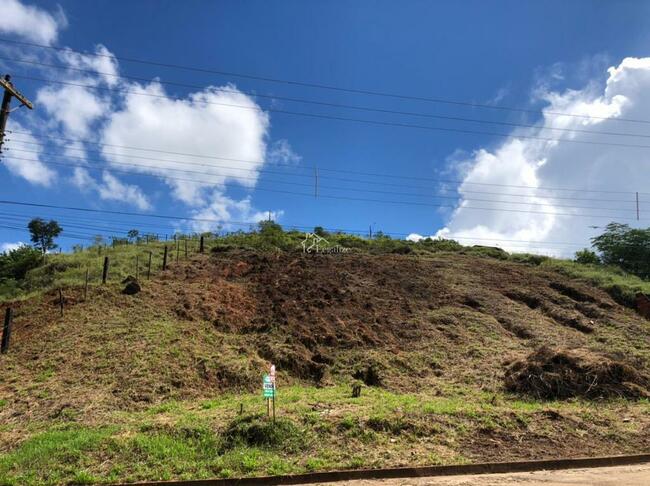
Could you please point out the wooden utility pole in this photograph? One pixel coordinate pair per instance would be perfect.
(6, 101)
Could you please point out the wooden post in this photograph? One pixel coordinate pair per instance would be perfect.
(149, 266)
(137, 266)
(164, 267)
(201, 248)
(6, 331)
(273, 405)
(178, 249)
(105, 270)
(186, 248)
(86, 285)
(61, 300)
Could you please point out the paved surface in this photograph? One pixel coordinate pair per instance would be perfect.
(605, 476)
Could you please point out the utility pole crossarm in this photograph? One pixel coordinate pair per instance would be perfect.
(6, 84)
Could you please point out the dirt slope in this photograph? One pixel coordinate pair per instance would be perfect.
(215, 322)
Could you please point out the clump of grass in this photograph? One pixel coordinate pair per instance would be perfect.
(259, 431)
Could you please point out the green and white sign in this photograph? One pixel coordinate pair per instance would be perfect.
(268, 387)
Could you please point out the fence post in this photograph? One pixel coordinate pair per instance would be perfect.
(61, 300)
(178, 249)
(186, 248)
(149, 265)
(165, 259)
(86, 285)
(201, 244)
(105, 271)
(6, 331)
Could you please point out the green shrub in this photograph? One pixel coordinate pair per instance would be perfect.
(14, 264)
(260, 431)
(587, 257)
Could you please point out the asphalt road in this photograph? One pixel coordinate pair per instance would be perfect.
(638, 475)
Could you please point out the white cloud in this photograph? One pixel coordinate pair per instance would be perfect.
(110, 189)
(539, 164)
(31, 22)
(103, 61)
(282, 152)
(202, 125)
(223, 212)
(28, 165)
(75, 107)
(6, 247)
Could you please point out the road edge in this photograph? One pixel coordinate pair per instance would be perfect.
(408, 472)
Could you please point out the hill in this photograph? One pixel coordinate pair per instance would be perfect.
(166, 383)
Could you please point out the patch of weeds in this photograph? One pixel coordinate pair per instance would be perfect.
(259, 431)
(315, 464)
(356, 463)
(392, 425)
(3, 402)
(54, 457)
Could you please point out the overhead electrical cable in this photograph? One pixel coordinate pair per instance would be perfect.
(285, 98)
(370, 174)
(369, 92)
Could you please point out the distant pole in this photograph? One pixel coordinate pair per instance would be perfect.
(201, 248)
(86, 284)
(149, 265)
(370, 228)
(105, 271)
(6, 331)
(164, 267)
(61, 300)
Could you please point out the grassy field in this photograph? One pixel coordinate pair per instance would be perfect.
(166, 384)
(315, 429)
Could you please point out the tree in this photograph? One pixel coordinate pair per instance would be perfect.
(43, 233)
(133, 234)
(586, 256)
(320, 231)
(626, 247)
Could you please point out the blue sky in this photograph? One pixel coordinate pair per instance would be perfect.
(532, 55)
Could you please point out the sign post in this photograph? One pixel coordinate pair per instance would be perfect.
(268, 386)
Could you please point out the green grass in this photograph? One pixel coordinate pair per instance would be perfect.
(316, 429)
(622, 286)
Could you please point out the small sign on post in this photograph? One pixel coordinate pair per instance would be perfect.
(268, 386)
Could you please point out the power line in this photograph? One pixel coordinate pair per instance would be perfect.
(345, 231)
(389, 123)
(226, 176)
(371, 174)
(285, 98)
(165, 177)
(322, 86)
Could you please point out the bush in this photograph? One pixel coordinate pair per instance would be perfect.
(14, 264)
(587, 257)
(260, 431)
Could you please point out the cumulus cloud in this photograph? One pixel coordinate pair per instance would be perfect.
(224, 213)
(282, 152)
(30, 22)
(8, 246)
(549, 217)
(205, 125)
(110, 188)
(75, 107)
(28, 166)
